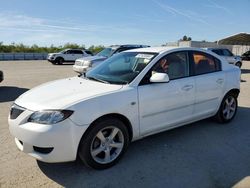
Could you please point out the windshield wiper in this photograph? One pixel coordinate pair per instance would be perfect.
(97, 79)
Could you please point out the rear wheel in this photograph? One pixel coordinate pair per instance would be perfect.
(227, 109)
(104, 144)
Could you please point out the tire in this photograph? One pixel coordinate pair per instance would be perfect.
(238, 64)
(59, 61)
(228, 109)
(104, 143)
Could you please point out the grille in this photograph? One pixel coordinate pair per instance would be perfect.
(15, 111)
(78, 63)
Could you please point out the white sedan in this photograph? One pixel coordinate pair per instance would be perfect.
(129, 96)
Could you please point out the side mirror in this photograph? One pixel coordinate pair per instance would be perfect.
(159, 78)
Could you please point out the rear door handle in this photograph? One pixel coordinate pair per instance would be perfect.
(220, 81)
(187, 87)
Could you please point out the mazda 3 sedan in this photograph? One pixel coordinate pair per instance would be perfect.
(129, 96)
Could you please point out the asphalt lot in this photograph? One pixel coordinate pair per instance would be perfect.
(202, 154)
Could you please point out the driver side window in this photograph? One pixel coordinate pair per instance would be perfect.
(176, 65)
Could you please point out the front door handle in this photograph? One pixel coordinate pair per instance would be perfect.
(187, 87)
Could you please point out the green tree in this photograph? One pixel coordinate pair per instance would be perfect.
(185, 38)
(21, 48)
(95, 49)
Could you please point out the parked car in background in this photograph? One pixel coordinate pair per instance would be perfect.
(131, 95)
(68, 55)
(84, 64)
(1, 76)
(246, 56)
(228, 55)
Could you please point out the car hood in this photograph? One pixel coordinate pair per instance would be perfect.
(92, 58)
(61, 94)
(50, 54)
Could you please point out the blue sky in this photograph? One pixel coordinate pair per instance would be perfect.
(106, 22)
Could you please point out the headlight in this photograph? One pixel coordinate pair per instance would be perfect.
(50, 116)
(87, 63)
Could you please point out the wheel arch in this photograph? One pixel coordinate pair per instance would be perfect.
(239, 62)
(59, 57)
(120, 117)
(234, 91)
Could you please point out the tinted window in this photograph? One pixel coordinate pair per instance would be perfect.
(121, 50)
(69, 52)
(106, 52)
(218, 51)
(246, 53)
(205, 63)
(77, 52)
(226, 52)
(88, 52)
(176, 65)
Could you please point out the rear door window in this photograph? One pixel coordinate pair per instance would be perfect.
(204, 63)
(77, 52)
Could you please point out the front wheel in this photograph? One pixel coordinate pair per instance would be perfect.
(59, 60)
(227, 109)
(104, 144)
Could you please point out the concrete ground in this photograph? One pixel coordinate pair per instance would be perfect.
(203, 154)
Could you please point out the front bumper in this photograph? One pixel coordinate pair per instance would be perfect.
(51, 59)
(63, 138)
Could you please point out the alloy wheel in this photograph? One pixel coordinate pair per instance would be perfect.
(107, 145)
(229, 108)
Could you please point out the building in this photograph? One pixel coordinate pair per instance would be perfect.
(238, 43)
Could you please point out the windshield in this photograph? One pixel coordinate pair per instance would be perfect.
(62, 51)
(107, 52)
(121, 68)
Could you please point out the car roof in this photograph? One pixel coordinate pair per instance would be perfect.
(165, 49)
(153, 49)
(215, 48)
(128, 46)
(74, 49)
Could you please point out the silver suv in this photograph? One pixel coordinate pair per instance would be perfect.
(84, 64)
(67, 55)
(228, 55)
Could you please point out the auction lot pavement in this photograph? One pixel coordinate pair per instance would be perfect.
(202, 154)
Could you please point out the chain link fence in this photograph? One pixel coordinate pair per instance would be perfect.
(22, 56)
